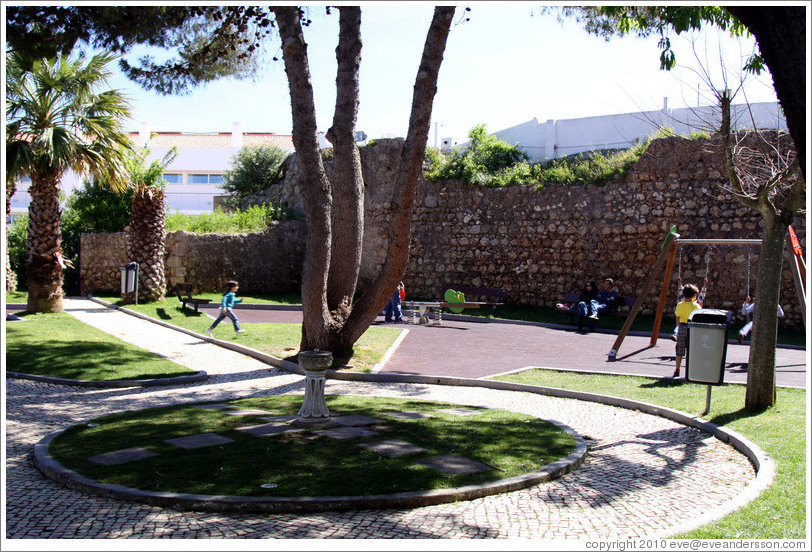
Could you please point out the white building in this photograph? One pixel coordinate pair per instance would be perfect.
(194, 177)
(553, 139)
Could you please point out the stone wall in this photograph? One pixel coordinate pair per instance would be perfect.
(540, 244)
(265, 262)
(537, 244)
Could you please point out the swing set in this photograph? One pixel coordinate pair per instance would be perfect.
(668, 254)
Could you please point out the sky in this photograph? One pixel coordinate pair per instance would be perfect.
(506, 65)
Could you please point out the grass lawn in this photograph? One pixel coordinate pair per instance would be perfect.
(57, 345)
(780, 511)
(305, 463)
(276, 339)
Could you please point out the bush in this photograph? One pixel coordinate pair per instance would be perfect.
(18, 251)
(254, 219)
(487, 161)
(254, 169)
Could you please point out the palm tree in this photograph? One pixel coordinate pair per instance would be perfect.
(147, 240)
(56, 121)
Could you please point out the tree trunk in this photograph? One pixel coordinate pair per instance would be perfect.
(760, 392)
(781, 35)
(315, 186)
(147, 243)
(347, 180)
(370, 304)
(45, 262)
(337, 331)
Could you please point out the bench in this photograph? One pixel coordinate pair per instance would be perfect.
(493, 296)
(184, 293)
(570, 306)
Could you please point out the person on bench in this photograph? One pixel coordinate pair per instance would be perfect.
(584, 304)
(604, 302)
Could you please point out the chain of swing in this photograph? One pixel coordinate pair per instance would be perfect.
(707, 269)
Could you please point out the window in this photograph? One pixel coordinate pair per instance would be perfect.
(205, 179)
(173, 178)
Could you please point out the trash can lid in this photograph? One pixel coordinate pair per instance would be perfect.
(715, 316)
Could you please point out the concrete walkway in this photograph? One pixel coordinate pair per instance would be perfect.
(646, 476)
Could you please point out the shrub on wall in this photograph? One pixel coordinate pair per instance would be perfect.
(486, 161)
(254, 219)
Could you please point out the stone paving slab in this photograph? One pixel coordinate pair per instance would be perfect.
(264, 430)
(282, 418)
(199, 441)
(459, 411)
(455, 464)
(354, 420)
(408, 415)
(216, 406)
(122, 456)
(393, 448)
(641, 468)
(344, 432)
(246, 412)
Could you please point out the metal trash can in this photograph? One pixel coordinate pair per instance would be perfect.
(707, 346)
(129, 278)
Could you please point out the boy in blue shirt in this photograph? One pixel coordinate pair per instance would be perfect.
(226, 306)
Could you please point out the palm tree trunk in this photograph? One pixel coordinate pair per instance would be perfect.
(147, 243)
(44, 245)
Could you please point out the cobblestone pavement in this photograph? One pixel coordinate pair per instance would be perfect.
(645, 476)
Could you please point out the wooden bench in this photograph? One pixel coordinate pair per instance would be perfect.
(570, 306)
(184, 293)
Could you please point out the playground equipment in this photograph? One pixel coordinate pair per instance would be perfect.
(667, 257)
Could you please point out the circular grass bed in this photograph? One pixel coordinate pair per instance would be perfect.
(482, 446)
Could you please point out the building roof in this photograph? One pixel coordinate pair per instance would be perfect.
(217, 139)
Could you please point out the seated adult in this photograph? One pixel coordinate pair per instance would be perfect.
(603, 303)
(584, 305)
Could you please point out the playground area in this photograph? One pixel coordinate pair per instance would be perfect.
(469, 347)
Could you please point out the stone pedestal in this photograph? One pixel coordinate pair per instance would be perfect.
(314, 409)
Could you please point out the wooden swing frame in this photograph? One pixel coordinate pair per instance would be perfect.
(667, 256)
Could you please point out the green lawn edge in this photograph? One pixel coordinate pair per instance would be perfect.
(280, 340)
(303, 464)
(57, 345)
(779, 512)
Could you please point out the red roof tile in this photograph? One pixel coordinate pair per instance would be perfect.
(217, 139)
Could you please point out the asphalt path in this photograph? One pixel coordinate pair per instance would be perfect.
(476, 348)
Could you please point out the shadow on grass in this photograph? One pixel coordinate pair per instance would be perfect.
(663, 383)
(162, 314)
(741, 414)
(85, 360)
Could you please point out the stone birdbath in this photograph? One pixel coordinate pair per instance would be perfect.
(314, 409)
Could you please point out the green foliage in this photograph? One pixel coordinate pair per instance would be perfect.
(596, 168)
(254, 169)
(644, 21)
(17, 250)
(143, 176)
(56, 119)
(254, 219)
(487, 161)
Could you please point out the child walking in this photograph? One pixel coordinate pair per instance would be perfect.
(226, 306)
(684, 309)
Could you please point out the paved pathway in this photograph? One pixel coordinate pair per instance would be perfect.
(500, 346)
(645, 476)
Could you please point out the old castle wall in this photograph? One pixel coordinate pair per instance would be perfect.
(537, 244)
